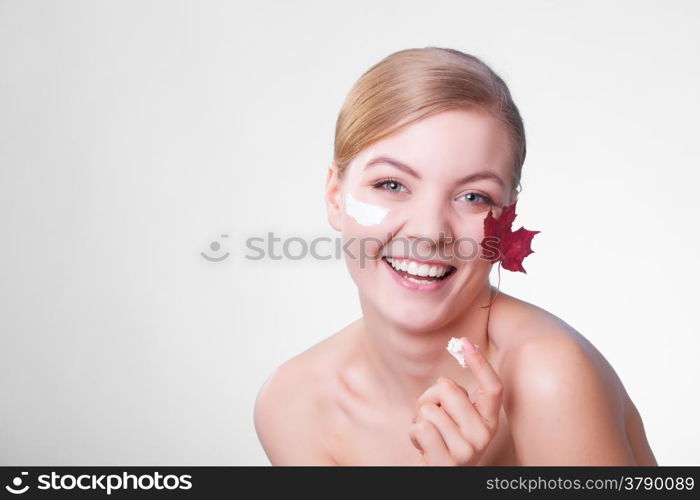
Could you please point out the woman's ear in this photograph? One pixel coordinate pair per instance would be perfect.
(333, 203)
(514, 196)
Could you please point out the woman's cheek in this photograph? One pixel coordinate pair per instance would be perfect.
(468, 248)
(366, 230)
(363, 213)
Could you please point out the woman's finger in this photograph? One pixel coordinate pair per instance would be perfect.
(489, 396)
(460, 450)
(431, 442)
(455, 400)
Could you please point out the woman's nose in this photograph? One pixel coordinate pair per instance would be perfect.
(428, 224)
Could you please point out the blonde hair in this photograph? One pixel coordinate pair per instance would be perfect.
(412, 84)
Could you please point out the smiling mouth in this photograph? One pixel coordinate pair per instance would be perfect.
(417, 274)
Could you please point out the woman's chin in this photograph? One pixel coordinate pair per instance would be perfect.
(416, 319)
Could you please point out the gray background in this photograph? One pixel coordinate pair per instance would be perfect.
(134, 133)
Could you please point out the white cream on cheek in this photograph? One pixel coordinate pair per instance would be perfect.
(364, 213)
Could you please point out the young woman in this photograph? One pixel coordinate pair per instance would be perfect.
(429, 145)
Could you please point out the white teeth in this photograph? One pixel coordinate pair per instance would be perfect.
(420, 282)
(416, 269)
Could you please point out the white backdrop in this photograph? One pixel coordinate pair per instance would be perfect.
(133, 134)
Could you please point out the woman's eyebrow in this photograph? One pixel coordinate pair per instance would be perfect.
(484, 174)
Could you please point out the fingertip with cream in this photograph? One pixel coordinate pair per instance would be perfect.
(468, 346)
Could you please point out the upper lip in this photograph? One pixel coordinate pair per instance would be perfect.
(421, 262)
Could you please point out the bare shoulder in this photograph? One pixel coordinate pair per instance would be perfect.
(565, 403)
(530, 338)
(286, 409)
(542, 350)
(289, 407)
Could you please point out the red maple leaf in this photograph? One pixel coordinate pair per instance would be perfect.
(511, 246)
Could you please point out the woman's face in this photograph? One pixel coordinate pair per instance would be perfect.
(421, 196)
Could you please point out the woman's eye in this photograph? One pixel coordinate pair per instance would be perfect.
(389, 185)
(476, 199)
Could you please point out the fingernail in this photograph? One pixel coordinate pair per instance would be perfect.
(468, 346)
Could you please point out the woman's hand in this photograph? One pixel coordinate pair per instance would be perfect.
(451, 430)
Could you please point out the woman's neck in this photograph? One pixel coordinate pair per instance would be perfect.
(407, 362)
